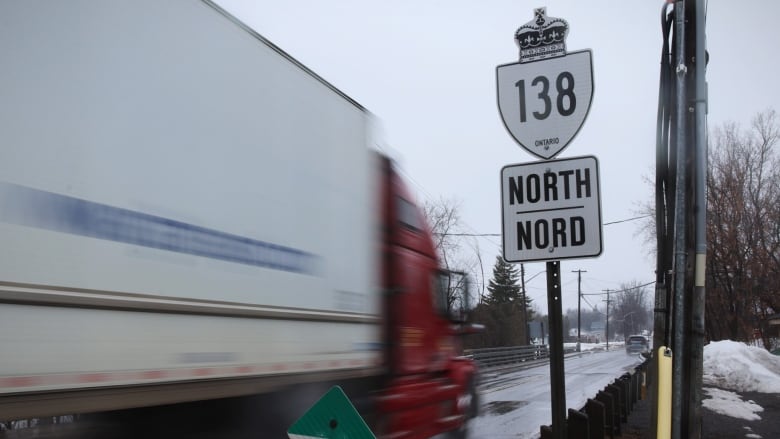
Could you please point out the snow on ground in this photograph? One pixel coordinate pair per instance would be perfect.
(730, 404)
(742, 368)
(589, 346)
(736, 366)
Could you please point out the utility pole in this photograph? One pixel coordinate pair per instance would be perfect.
(699, 130)
(525, 311)
(681, 170)
(606, 330)
(579, 300)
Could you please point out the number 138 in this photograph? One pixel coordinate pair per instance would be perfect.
(564, 85)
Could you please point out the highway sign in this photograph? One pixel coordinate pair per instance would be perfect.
(544, 103)
(332, 417)
(551, 210)
(545, 98)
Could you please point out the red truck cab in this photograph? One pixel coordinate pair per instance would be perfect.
(431, 387)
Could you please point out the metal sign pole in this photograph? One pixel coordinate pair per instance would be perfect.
(680, 226)
(557, 381)
(550, 209)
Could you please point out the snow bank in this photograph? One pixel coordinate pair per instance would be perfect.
(585, 346)
(741, 368)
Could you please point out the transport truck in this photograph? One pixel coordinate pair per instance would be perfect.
(187, 213)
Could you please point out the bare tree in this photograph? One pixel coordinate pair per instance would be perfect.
(444, 221)
(481, 285)
(743, 229)
(645, 211)
(448, 239)
(630, 312)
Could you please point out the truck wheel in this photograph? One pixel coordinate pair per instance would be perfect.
(471, 397)
(473, 410)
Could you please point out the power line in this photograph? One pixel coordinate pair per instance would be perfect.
(588, 302)
(430, 198)
(626, 220)
(478, 235)
(499, 234)
(619, 291)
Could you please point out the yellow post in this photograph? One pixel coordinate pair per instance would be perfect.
(664, 400)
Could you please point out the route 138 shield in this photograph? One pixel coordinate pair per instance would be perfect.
(545, 98)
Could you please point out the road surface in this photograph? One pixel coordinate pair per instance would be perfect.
(515, 404)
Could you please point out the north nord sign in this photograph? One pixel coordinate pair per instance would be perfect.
(544, 99)
(551, 210)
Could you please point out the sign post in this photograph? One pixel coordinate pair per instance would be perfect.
(557, 376)
(551, 209)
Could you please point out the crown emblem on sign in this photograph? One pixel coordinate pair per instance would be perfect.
(543, 37)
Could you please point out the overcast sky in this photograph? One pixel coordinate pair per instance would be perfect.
(426, 69)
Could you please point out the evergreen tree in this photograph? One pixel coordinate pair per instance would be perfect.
(501, 312)
(503, 285)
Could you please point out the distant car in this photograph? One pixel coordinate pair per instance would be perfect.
(637, 344)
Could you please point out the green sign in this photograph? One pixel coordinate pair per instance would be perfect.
(332, 417)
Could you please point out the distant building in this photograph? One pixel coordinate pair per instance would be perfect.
(772, 325)
(597, 330)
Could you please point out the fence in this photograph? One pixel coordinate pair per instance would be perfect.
(510, 356)
(603, 415)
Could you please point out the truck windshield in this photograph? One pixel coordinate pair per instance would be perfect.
(408, 215)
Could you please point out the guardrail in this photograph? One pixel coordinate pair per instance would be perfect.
(493, 357)
(512, 355)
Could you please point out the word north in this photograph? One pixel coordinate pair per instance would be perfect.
(550, 186)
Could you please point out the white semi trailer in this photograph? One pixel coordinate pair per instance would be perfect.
(188, 213)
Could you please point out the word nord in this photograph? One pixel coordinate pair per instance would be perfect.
(559, 232)
(550, 186)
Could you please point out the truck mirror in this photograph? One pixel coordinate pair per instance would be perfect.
(453, 293)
